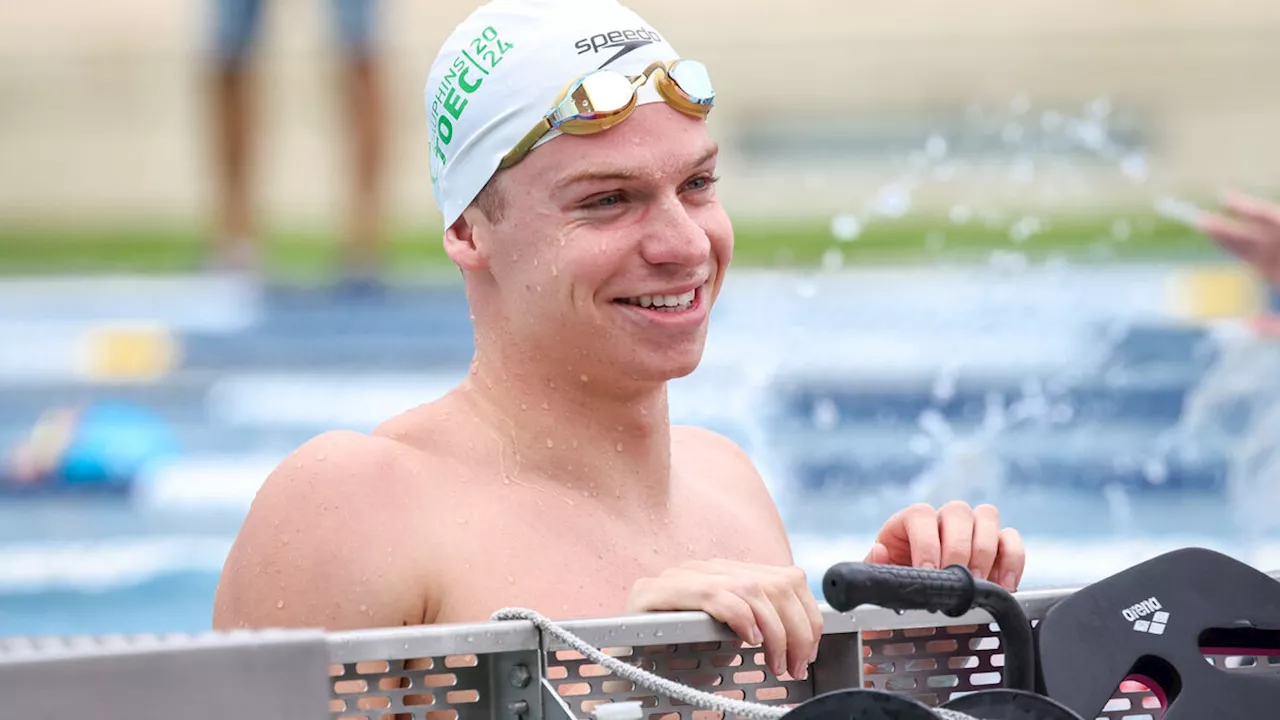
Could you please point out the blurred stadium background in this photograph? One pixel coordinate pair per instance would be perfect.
(964, 222)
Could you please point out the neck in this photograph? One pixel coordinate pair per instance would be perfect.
(562, 426)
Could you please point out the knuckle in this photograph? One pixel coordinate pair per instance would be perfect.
(919, 509)
(797, 576)
(749, 587)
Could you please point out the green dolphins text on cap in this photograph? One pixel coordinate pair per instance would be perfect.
(465, 77)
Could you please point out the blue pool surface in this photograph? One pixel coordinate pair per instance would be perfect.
(1106, 425)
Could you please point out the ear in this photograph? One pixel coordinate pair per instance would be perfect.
(466, 241)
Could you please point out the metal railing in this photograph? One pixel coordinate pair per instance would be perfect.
(505, 670)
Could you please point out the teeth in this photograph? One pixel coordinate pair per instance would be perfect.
(664, 303)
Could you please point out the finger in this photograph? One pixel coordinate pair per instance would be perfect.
(797, 627)
(797, 609)
(1242, 239)
(921, 527)
(734, 612)
(893, 538)
(812, 614)
(1011, 560)
(1256, 209)
(768, 620)
(955, 526)
(879, 555)
(986, 541)
(911, 537)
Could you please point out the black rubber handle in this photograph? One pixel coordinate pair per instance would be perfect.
(949, 591)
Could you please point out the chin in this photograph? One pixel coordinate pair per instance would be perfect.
(671, 367)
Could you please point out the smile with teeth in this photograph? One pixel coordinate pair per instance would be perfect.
(663, 303)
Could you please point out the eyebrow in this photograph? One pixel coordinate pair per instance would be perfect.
(605, 175)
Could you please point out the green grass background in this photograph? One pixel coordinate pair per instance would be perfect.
(151, 247)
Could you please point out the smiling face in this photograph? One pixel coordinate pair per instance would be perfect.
(608, 254)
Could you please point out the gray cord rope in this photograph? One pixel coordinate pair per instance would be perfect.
(657, 683)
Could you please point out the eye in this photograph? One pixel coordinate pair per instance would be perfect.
(702, 182)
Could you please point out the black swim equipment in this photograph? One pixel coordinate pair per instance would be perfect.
(953, 591)
(861, 704)
(1155, 622)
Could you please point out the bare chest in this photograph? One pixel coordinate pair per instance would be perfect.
(578, 561)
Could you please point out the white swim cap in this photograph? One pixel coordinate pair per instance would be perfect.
(500, 71)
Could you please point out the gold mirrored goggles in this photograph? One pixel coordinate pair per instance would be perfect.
(601, 99)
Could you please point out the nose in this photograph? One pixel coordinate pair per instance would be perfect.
(674, 237)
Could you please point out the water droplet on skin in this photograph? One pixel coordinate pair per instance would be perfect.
(298, 465)
(618, 447)
(364, 608)
(549, 443)
(511, 580)
(462, 521)
(583, 378)
(279, 604)
(320, 457)
(554, 271)
(524, 406)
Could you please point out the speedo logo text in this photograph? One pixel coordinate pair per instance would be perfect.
(624, 41)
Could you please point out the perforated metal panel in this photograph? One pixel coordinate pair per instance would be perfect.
(723, 668)
(427, 673)
(931, 664)
(449, 686)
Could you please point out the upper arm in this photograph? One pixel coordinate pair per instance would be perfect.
(316, 550)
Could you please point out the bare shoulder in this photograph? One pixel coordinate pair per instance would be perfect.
(321, 546)
(725, 469)
(702, 447)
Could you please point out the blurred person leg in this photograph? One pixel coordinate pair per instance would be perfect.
(237, 24)
(364, 108)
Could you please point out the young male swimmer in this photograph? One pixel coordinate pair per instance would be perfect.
(552, 478)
